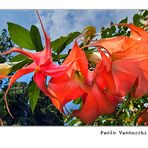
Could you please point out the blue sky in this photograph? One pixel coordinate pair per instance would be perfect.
(62, 22)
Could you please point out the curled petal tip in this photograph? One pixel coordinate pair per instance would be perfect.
(7, 107)
(19, 50)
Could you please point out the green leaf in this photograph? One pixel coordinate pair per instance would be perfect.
(19, 61)
(56, 57)
(72, 36)
(20, 64)
(33, 93)
(67, 118)
(108, 32)
(20, 36)
(18, 57)
(113, 29)
(77, 101)
(103, 34)
(136, 19)
(36, 38)
(144, 13)
(124, 20)
(73, 122)
(59, 44)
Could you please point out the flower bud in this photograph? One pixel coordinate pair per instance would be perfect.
(5, 69)
(94, 57)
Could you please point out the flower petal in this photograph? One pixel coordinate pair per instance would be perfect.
(40, 80)
(47, 39)
(89, 111)
(65, 91)
(19, 50)
(115, 44)
(103, 75)
(144, 67)
(105, 60)
(137, 33)
(95, 103)
(122, 43)
(104, 80)
(56, 70)
(81, 63)
(126, 75)
(2, 77)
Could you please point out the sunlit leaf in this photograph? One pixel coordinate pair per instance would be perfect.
(36, 38)
(125, 20)
(58, 57)
(77, 101)
(20, 64)
(18, 57)
(20, 36)
(136, 19)
(59, 44)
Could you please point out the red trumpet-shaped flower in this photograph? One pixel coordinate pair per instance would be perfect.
(129, 59)
(96, 88)
(42, 66)
(100, 97)
(67, 86)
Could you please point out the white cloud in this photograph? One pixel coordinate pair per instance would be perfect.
(62, 22)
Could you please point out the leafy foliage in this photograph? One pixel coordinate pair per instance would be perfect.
(36, 38)
(141, 19)
(44, 114)
(20, 36)
(59, 44)
(126, 114)
(19, 61)
(5, 44)
(115, 30)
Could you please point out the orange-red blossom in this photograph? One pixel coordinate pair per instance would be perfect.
(96, 88)
(101, 89)
(129, 59)
(112, 78)
(42, 66)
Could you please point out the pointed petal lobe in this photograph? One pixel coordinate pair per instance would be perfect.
(81, 63)
(47, 38)
(2, 77)
(56, 70)
(23, 52)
